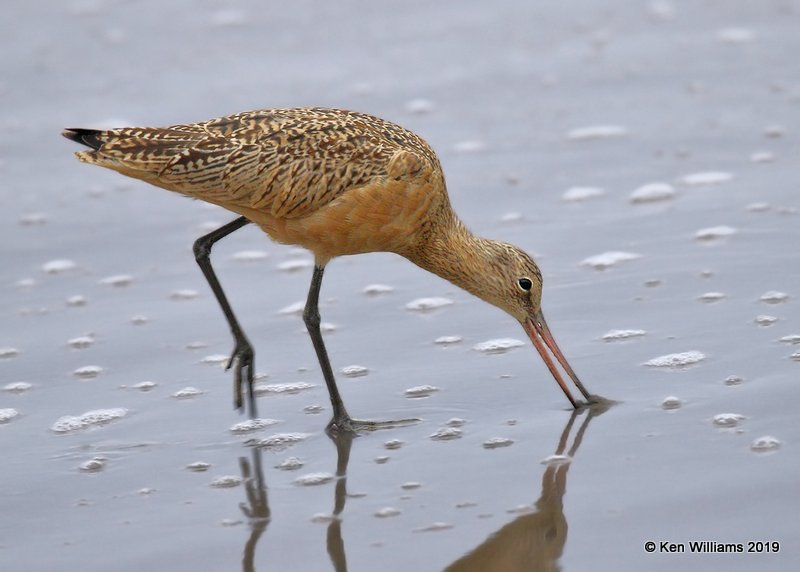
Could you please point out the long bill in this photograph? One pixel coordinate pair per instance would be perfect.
(539, 333)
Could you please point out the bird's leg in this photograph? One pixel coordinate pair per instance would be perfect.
(243, 356)
(341, 421)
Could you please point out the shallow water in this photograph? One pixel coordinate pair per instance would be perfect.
(107, 318)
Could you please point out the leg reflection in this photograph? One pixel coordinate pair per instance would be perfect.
(335, 543)
(256, 509)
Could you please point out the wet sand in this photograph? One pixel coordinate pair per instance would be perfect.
(105, 313)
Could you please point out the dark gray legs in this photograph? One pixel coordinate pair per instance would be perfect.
(243, 357)
(341, 420)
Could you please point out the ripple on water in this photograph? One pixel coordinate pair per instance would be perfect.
(677, 360)
(216, 359)
(184, 294)
(393, 444)
(199, 466)
(93, 418)
(76, 301)
(421, 391)
(618, 335)
(145, 386)
(764, 320)
(652, 192)
(765, 444)
(8, 414)
(295, 265)
(434, 527)
(727, 420)
(793, 339)
(251, 425)
(609, 259)
(556, 460)
(277, 442)
(296, 308)
(498, 345)
(282, 388)
(428, 304)
(671, 402)
(314, 479)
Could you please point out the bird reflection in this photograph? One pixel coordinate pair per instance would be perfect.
(256, 509)
(534, 541)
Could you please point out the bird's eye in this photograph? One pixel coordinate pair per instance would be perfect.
(525, 284)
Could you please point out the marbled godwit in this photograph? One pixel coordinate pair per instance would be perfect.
(336, 182)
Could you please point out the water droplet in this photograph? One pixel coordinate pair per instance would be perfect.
(447, 434)
(652, 192)
(676, 360)
(88, 371)
(377, 289)
(727, 420)
(617, 335)
(8, 414)
(96, 417)
(250, 255)
(671, 402)
(428, 304)
(314, 479)
(17, 387)
(497, 443)
(715, 232)
(609, 259)
(251, 425)
(226, 482)
(59, 266)
(354, 371)
(187, 392)
(387, 512)
(774, 297)
(765, 444)
(94, 465)
(282, 388)
(597, 132)
(580, 194)
(81, 342)
(498, 345)
(8, 353)
(711, 297)
(277, 442)
(421, 391)
(184, 294)
(290, 464)
(198, 466)
(117, 281)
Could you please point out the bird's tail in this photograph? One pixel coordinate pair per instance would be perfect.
(89, 137)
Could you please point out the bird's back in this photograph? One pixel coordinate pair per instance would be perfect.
(284, 162)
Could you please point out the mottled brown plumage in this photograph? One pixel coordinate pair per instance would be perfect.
(336, 182)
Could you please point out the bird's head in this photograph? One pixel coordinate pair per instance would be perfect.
(515, 285)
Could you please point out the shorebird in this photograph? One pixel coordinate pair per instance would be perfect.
(338, 183)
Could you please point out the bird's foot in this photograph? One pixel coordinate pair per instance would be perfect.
(345, 424)
(243, 362)
(596, 403)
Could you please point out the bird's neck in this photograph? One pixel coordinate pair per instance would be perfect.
(460, 257)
